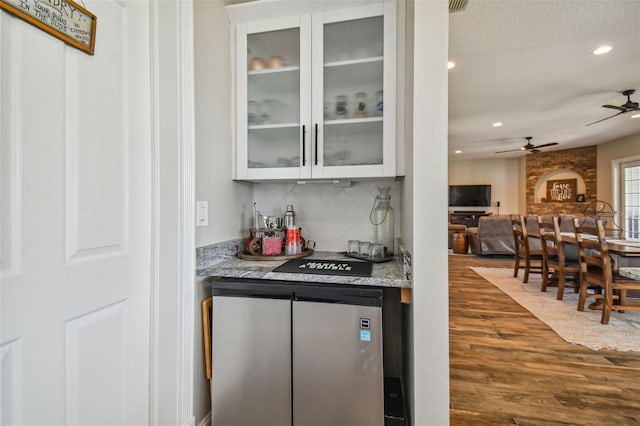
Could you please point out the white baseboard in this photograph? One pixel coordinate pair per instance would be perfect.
(207, 420)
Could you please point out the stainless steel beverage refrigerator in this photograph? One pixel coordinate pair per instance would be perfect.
(301, 354)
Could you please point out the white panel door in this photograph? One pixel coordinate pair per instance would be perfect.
(75, 235)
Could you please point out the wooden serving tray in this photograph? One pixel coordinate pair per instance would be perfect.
(247, 256)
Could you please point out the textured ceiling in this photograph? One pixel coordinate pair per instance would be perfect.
(528, 64)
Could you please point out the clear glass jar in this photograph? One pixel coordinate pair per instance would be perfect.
(379, 103)
(363, 248)
(376, 251)
(360, 106)
(353, 247)
(341, 106)
(254, 113)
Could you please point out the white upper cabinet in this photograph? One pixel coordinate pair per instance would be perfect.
(315, 95)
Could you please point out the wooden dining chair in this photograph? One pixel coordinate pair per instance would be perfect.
(592, 263)
(554, 258)
(528, 256)
(597, 272)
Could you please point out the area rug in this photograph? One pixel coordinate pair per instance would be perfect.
(583, 328)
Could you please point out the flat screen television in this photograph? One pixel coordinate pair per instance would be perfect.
(470, 195)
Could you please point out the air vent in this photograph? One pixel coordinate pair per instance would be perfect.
(457, 5)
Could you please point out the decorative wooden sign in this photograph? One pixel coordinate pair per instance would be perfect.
(63, 19)
(563, 190)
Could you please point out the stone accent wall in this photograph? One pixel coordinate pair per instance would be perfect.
(583, 161)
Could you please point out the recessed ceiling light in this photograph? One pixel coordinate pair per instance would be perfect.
(458, 151)
(497, 124)
(450, 64)
(601, 50)
(635, 116)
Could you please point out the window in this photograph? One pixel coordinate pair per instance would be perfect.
(630, 197)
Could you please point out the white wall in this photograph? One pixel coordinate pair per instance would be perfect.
(522, 184)
(407, 195)
(608, 154)
(430, 268)
(230, 203)
(168, 172)
(499, 173)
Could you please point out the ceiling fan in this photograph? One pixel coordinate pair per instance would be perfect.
(529, 146)
(622, 109)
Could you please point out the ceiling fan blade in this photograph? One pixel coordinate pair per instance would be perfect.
(611, 116)
(546, 144)
(510, 150)
(619, 108)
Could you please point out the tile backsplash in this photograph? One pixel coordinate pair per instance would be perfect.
(328, 214)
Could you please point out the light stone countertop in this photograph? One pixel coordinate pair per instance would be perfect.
(387, 274)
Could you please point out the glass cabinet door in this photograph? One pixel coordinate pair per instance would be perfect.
(353, 95)
(273, 110)
(273, 99)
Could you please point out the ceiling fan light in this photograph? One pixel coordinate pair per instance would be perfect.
(601, 50)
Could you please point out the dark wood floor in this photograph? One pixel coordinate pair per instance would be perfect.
(507, 367)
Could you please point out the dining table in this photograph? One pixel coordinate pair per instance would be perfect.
(632, 272)
(627, 250)
(624, 253)
(618, 247)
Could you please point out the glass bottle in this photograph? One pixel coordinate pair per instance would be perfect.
(379, 103)
(360, 107)
(341, 106)
(382, 219)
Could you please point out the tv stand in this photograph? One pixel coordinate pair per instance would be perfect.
(466, 218)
